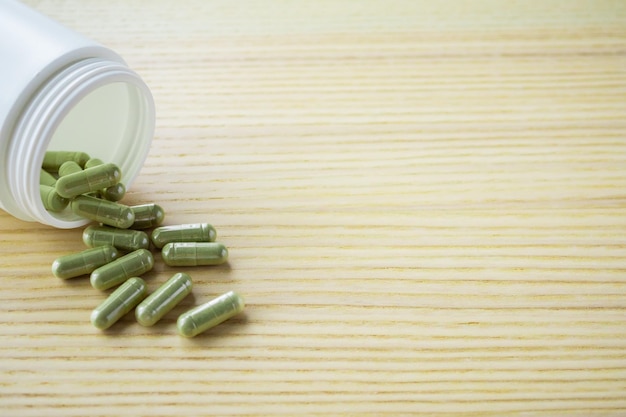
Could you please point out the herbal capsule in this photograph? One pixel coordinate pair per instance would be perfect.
(114, 193)
(84, 262)
(46, 178)
(202, 318)
(69, 167)
(118, 271)
(52, 160)
(91, 179)
(123, 239)
(197, 232)
(51, 200)
(103, 211)
(92, 162)
(194, 253)
(120, 302)
(165, 298)
(147, 216)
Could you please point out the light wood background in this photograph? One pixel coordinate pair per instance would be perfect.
(425, 204)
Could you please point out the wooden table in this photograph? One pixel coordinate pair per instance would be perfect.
(425, 205)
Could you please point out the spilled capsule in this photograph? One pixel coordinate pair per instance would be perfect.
(120, 302)
(85, 262)
(114, 273)
(69, 167)
(103, 211)
(195, 232)
(164, 299)
(216, 311)
(147, 216)
(113, 193)
(124, 239)
(88, 180)
(194, 253)
(92, 162)
(46, 178)
(52, 160)
(51, 200)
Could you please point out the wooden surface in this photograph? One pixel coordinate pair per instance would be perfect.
(424, 204)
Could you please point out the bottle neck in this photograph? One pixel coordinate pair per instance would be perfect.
(94, 105)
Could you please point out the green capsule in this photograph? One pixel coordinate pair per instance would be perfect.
(124, 239)
(46, 178)
(69, 167)
(51, 200)
(91, 179)
(194, 253)
(114, 273)
(197, 232)
(103, 211)
(202, 318)
(147, 216)
(52, 160)
(114, 193)
(165, 298)
(84, 262)
(92, 162)
(120, 302)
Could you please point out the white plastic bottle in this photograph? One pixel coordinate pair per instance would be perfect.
(62, 91)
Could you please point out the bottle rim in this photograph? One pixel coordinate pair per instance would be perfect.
(47, 110)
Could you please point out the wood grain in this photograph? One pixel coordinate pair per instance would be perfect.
(424, 204)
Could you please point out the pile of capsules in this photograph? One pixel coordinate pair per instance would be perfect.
(119, 248)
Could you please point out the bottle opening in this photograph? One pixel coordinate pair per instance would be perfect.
(94, 106)
(106, 124)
